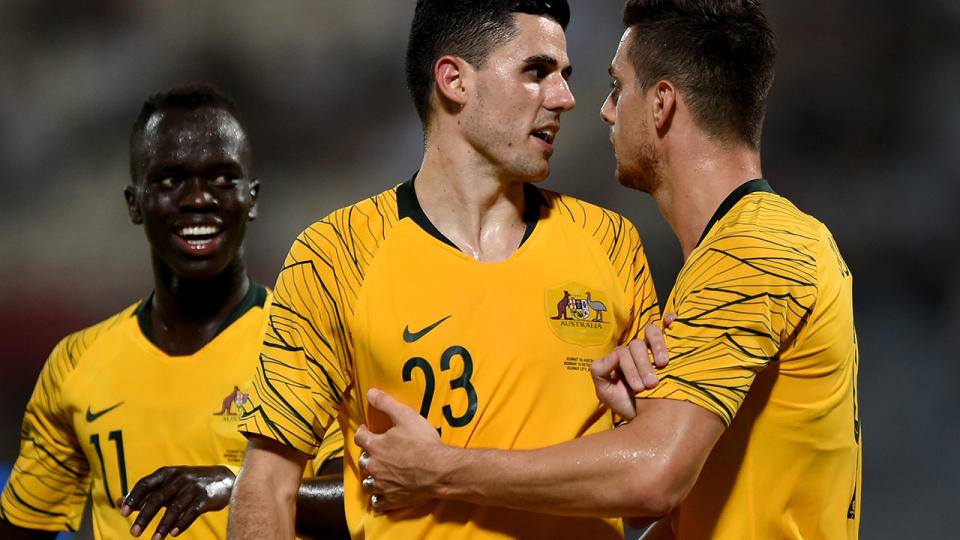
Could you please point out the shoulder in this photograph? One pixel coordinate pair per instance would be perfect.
(367, 216)
(764, 243)
(766, 227)
(770, 227)
(340, 247)
(762, 218)
(69, 352)
(358, 226)
(607, 227)
(580, 212)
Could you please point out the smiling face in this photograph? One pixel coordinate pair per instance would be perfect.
(520, 92)
(192, 191)
(627, 110)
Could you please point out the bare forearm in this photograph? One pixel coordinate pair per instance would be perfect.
(595, 476)
(258, 509)
(263, 504)
(642, 469)
(320, 508)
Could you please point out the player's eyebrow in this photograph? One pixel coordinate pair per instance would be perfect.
(550, 61)
(613, 71)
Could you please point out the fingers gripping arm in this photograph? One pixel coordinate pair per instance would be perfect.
(627, 370)
(188, 492)
(185, 492)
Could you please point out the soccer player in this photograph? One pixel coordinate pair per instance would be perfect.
(466, 291)
(753, 431)
(162, 382)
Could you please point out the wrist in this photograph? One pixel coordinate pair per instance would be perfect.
(447, 464)
(463, 473)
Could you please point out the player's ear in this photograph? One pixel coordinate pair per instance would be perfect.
(254, 199)
(451, 74)
(664, 105)
(130, 195)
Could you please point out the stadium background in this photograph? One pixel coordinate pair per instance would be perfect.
(861, 132)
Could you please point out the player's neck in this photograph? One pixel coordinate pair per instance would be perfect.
(693, 189)
(479, 212)
(186, 314)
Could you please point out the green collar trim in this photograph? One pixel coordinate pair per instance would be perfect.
(409, 207)
(752, 186)
(256, 296)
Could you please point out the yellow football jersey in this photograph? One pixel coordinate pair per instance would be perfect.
(765, 339)
(330, 448)
(493, 355)
(110, 408)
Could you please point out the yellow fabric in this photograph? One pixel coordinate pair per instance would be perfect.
(765, 306)
(110, 408)
(330, 448)
(369, 300)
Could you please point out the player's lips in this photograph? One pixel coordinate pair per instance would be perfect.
(199, 239)
(546, 134)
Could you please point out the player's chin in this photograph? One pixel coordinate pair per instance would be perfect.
(632, 180)
(538, 171)
(200, 268)
(539, 177)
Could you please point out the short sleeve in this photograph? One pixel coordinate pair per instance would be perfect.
(48, 486)
(302, 368)
(330, 448)
(738, 300)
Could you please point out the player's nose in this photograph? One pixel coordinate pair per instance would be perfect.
(608, 110)
(561, 97)
(197, 195)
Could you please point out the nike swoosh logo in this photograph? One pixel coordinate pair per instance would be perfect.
(91, 416)
(410, 337)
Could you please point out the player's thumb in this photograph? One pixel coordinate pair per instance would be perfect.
(385, 403)
(601, 368)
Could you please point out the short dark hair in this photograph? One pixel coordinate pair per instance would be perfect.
(469, 29)
(190, 97)
(720, 54)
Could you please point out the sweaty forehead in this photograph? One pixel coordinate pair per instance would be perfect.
(536, 35)
(185, 126)
(189, 136)
(621, 65)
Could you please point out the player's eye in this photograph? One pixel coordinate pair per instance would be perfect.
(614, 91)
(539, 71)
(165, 183)
(225, 180)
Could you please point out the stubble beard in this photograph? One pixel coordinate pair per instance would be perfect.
(497, 140)
(643, 172)
(512, 156)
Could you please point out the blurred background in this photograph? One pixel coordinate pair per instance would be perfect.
(861, 132)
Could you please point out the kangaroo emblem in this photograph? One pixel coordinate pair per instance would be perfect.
(562, 307)
(228, 402)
